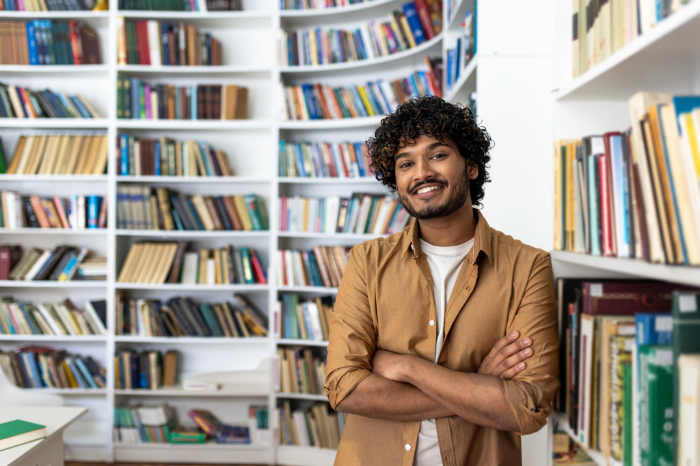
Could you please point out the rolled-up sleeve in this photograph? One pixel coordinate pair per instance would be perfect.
(531, 392)
(352, 340)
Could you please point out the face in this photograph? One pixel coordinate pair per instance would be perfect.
(432, 179)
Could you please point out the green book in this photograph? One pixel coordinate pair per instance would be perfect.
(295, 333)
(621, 356)
(627, 416)
(657, 429)
(3, 161)
(15, 433)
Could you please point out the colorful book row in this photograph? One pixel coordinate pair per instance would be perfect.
(21, 102)
(79, 212)
(60, 263)
(308, 320)
(25, 318)
(324, 160)
(322, 266)
(46, 42)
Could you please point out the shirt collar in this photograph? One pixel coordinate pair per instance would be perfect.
(482, 238)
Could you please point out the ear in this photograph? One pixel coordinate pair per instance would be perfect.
(472, 170)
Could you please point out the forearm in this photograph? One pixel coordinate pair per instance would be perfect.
(381, 398)
(475, 397)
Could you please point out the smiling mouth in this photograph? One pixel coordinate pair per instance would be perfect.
(427, 191)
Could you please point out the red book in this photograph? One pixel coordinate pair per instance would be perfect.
(257, 268)
(605, 207)
(424, 16)
(61, 214)
(432, 78)
(341, 152)
(102, 219)
(74, 27)
(142, 43)
(609, 244)
(9, 256)
(331, 162)
(621, 298)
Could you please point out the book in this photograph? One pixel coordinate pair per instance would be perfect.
(49, 212)
(73, 154)
(688, 409)
(22, 102)
(40, 367)
(182, 5)
(26, 318)
(50, 42)
(18, 432)
(310, 425)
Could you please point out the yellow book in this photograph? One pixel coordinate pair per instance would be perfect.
(365, 100)
(69, 375)
(203, 258)
(243, 212)
(407, 31)
(116, 373)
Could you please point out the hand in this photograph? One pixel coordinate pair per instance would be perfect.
(388, 365)
(505, 360)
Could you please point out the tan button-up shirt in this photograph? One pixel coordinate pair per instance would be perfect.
(385, 301)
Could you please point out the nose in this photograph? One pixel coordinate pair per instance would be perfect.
(422, 171)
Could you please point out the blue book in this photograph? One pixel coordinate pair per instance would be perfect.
(424, 82)
(93, 211)
(448, 68)
(137, 199)
(79, 106)
(374, 99)
(31, 42)
(620, 189)
(176, 219)
(193, 102)
(207, 166)
(124, 154)
(209, 319)
(30, 364)
(134, 367)
(357, 101)
(156, 158)
(385, 98)
(287, 318)
(459, 60)
(193, 211)
(85, 372)
(164, 26)
(319, 41)
(298, 152)
(135, 85)
(34, 330)
(359, 154)
(79, 378)
(654, 328)
(593, 206)
(309, 101)
(673, 191)
(314, 269)
(414, 85)
(409, 9)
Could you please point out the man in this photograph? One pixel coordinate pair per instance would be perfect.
(422, 352)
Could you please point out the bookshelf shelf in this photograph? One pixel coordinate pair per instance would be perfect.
(292, 342)
(53, 231)
(663, 59)
(55, 14)
(302, 396)
(422, 48)
(52, 284)
(193, 125)
(179, 392)
(189, 453)
(163, 71)
(304, 456)
(194, 179)
(595, 455)
(228, 15)
(187, 287)
(55, 178)
(337, 123)
(54, 69)
(466, 82)
(194, 234)
(344, 236)
(633, 267)
(308, 289)
(299, 180)
(55, 123)
(69, 391)
(192, 340)
(312, 13)
(55, 338)
(458, 12)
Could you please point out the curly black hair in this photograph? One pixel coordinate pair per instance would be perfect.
(430, 116)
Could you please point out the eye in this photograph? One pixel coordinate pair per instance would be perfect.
(439, 155)
(405, 164)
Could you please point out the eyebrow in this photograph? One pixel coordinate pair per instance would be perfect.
(430, 147)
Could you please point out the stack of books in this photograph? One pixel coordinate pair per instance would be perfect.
(44, 5)
(79, 212)
(601, 29)
(466, 48)
(361, 213)
(38, 367)
(168, 262)
(149, 370)
(181, 5)
(59, 154)
(143, 424)
(622, 364)
(182, 317)
(324, 160)
(166, 157)
(222, 433)
(306, 320)
(322, 266)
(634, 193)
(46, 42)
(22, 102)
(301, 371)
(310, 426)
(156, 43)
(140, 100)
(401, 31)
(65, 319)
(381, 97)
(140, 207)
(58, 264)
(316, 4)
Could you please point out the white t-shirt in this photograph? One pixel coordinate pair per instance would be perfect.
(445, 263)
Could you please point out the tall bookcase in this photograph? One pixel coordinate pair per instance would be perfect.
(665, 59)
(510, 73)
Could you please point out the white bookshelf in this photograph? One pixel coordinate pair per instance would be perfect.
(665, 59)
(249, 42)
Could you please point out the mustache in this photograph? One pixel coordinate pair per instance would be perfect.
(413, 189)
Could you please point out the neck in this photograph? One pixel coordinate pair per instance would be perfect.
(454, 229)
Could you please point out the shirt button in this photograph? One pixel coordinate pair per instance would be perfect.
(432, 322)
(408, 447)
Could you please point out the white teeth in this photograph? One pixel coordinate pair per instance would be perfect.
(427, 189)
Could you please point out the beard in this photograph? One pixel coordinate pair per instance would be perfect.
(454, 203)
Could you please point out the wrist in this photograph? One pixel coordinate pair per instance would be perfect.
(409, 367)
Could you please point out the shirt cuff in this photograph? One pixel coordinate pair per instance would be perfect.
(338, 388)
(522, 398)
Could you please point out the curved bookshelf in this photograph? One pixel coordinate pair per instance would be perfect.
(317, 12)
(363, 63)
(242, 15)
(55, 123)
(165, 70)
(466, 82)
(647, 63)
(335, 123)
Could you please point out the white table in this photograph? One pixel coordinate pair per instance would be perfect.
(46, 452)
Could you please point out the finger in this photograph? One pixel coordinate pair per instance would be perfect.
(512, 372)
(511, 349)
(503, 342)
(515, 359)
